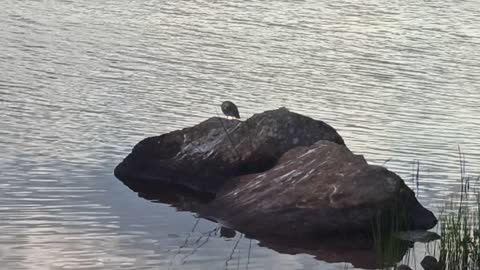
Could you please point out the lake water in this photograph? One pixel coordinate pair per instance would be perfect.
(81, 82)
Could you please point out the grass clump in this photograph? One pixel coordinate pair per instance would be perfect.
(460, 237)
(459, 244)
(459, 224)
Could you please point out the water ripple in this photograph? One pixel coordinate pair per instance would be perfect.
(81, 83)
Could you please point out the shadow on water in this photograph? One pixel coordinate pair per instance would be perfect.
(360, 251)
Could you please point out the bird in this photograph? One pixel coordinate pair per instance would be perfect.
(230, 109)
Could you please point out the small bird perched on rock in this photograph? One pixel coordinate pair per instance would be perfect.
(229, 109)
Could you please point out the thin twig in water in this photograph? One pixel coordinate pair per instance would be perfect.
(417, 177)
(209, 234)
(238, 258)
(228, 136)
(249, 250)
(184, 243)
(386, 161)
(462, 162)
(233, 251)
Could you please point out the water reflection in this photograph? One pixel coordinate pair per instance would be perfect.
(359, 251)
(82, 81)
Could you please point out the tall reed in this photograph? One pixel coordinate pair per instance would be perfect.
(459, 244)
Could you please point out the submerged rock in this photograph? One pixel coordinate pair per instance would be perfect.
(277, 173)
(430, 263)
(403, 267)
(417, 236)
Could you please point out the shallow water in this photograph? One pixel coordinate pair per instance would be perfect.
(82, 81)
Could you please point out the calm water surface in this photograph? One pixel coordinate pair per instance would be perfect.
(82, 81)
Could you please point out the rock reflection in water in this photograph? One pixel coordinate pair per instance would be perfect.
(359, 251)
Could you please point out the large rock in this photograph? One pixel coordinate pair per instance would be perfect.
(277, 173)
(322, 189)
(207, 155)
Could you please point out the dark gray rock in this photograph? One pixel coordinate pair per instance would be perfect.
(430, 263)
(207, 155)
(417, 236)
(322, 189)
(403, 267)
(277, 173)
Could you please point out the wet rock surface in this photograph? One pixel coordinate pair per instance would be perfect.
(278, 173)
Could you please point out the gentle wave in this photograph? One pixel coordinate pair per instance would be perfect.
(81, 83)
